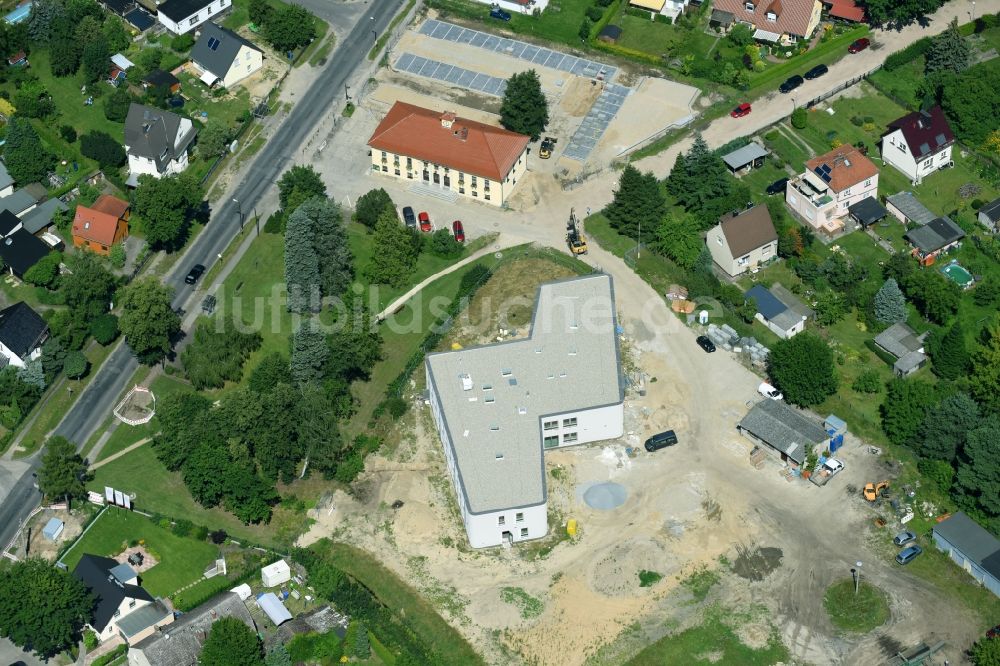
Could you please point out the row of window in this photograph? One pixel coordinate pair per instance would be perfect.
(518, 517)
(552, 425)
(552, 441)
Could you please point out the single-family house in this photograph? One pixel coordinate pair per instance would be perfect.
(6, 182)
(989, 215)
(918, 144)
(156, 141)
(934, 239)
(780, 310)
(102, 225)
(19, 59)
(180, 643)
(867, 212)
(181, 16)
(20, 249)
(119, 595)
(22, 200)
(160, 78)
(747, 158)
(743, 241)
(22, 333)
(903, 343)
(907, 209)
(221, 55)
(782, 428)
(831, 183)
(775, 21)
(970, 547)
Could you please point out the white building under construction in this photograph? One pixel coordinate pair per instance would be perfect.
(498, 407)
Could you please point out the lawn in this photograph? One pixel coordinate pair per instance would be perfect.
(560, 22)
(181, 560)
(823, 53)
(657, 39)
(937, 568)
(778, 142)
(856, 613)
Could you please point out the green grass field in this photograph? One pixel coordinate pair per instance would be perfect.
(181, 560)
(856, 613)
(560, 22)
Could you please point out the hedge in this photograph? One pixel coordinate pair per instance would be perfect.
(910, 53)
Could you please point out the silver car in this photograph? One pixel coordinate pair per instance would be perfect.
(904, 538)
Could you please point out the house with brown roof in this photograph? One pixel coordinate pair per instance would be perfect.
(463, 156)
(845, 10)
(776, 21)
(102, 225)
(918, 144)
(831, 183)
(743, 241)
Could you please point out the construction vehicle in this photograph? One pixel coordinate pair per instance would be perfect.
(872, 491)
(574, 237)
(548, 145)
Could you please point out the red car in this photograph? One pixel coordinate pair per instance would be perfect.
(858, 45)
(740, 111)
(456, 228)
(425, 221)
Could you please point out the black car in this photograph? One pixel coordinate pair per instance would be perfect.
(500, 14)
(196, 272)
(409, 218)
(705, 343)
(817, 71)
(661, 441)
(777, 187)
(791, 84)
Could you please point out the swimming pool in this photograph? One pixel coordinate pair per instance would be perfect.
(957, 273)
(19, 14)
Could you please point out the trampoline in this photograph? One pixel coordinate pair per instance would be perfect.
(605, 496)
(958, 274)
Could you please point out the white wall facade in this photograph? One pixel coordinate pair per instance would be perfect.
(194, 20)
(127, 606)
(782, 333)
(246, 62)
(896, 152)
(583, 427)
(146, 166)
(810, 204)
(723, 257)
(12, 358)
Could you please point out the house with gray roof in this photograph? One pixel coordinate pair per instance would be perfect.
(180, 643)
(22, 333)
(222, 56)
(119, 594)
(156, 141)
(6, 182)
(903, 343)
(934, 239)
(780, 310)
(782, 428)
(499, 407)
(907, 209)
(970, 547)
(989, 215)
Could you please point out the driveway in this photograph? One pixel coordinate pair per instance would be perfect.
(11, 654)
(340, 14)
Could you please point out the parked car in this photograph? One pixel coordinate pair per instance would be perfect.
(705, 343)
(425, 221)
(499, 14)
(409, 218)
(909, 554)
(458, 230)
(904, 538)
(817, 71)
(859, 45)
(769, 391)
(196, 272)
(778, 186)
(740, 111)
(791, 84)
(994, 632)
(661, 441)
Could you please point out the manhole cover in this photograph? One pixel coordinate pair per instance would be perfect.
(605, 496)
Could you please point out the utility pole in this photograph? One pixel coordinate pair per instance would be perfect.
(256, 218)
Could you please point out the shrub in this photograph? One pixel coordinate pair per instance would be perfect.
(182, 527)
(349, 468)
(104, 329)
(800, 118)
(103, 148)
(585, 29)
(594, 13)
(443, 244)
(182, 42)
(396, 407)
(117, 255)
(68, 133)
(857, 121)
(200, 533)
(218, 536)
(661, 18)
(275, 223)
(977, 204)
(89, 639)
(867, 382)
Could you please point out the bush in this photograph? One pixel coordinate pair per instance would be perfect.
(662, 18)
(857, 121)
(938, 472)
(867, 382)
(275, 223)
(349, 468)
(585, 29)
(103, 148)
(800, 118)
(89, 639)
(443, 244)
(977, 204)
(182, 527)
(104, 329)
(68, 133)
(45, 271)
(218, 536)
(117, 255)
(182, 43)
(594, 13)
(910, 53)
(396, 407)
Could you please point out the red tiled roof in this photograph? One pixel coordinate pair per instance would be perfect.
(848, 10)
(848, 167)
(111, 205)
(98, 225)
(926, 132)
(792, 15)
(468, 146)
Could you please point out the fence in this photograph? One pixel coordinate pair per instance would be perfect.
(843, 86)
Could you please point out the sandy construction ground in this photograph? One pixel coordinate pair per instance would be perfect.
(654, 105)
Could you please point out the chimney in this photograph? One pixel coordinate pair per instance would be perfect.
(145, 128)
(463, 133)
(447, 118)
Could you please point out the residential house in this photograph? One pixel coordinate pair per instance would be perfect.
(19, 59)
(907, 209)
(671, 8)
(989, 215)
(822, 195)
(473, 159)
(918, 144)
(845, 10)
(158, 77)
(181, 16)
(19, 249)
(934, 239)
(747, 158)
(782, 428)
(23, 200)
(970, 547)
(775, 21)
(222, 55)
(156, 142)
(102, 225)
(743, 241)
(903, 343)
(22, 333)
(119, 594)
(867, 212)
(6, 182)
(180, 643)
(780, 310)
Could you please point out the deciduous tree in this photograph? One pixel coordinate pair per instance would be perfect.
(370, 206)
(148, 321)
(217, 353)
(45, 271)
(802, 367)
(26, 160)
(95, 59)
(102, 147)
(903, 410)
(231, 643)
(679, 237)
(164, 206)
(89, 287)
(289, 28)
(986, 652)
(524, 108)
(272, 370)
(62, 472)
(889, 303)
(214, 139)
(116, 105)
(298, 184)
(75, 365)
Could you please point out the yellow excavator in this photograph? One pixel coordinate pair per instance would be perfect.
(873, 491)
(574, 237)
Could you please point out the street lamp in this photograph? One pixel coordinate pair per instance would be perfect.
(973, 10)
(347, 97)
(239, 207)
(856, 572)
(374, 34)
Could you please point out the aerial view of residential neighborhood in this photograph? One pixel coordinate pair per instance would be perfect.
(500, 332)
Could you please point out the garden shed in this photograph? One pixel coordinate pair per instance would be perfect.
(610, 34)
(867, 212)
(750, 156)
(53, 529)
(273, 608)
(275, 574)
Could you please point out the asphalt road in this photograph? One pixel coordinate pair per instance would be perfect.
(95, 404)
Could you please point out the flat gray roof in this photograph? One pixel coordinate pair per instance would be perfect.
(909, 206)
(743, 156)
(569, 362)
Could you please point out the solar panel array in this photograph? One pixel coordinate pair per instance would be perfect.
(537, 55)
(457, 76)
(823, 171)
(596, 122)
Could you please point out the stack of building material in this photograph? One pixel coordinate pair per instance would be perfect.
(757, 457)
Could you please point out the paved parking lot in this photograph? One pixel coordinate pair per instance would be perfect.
(596, 122)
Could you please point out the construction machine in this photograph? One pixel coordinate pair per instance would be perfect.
(574, 237)
(872, 491)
